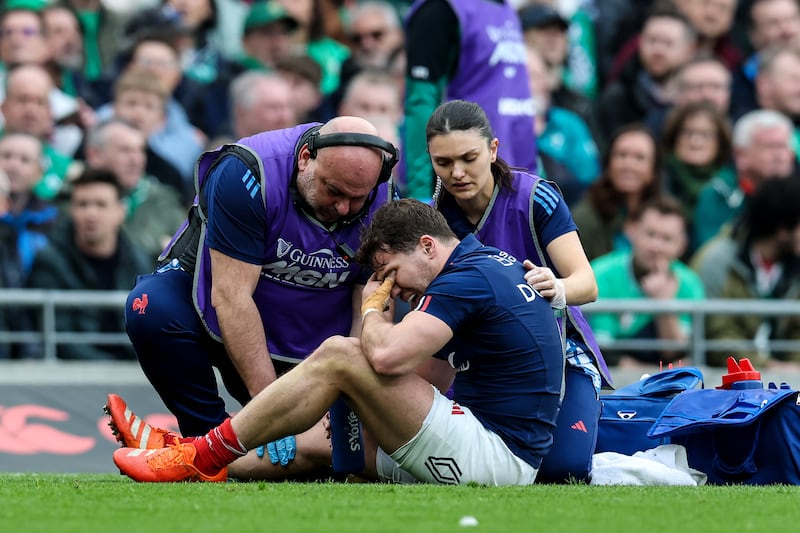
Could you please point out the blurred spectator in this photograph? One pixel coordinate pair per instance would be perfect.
(304, 76)
(580, 33)
(62, 31)
(103, 34)
(201, 56)
(713, 21)
(703, 79)
(667, 42)
(261, 102)
(267, 35)
(763, 265)
(200, 78)
(157, 56)
(141, 99)
(26, 109)
(761, 150)
(89, 251)
(650, 269)
(545, 29)
(28, 219)
(164, 22)
(312, 38)
(561, 134)
(697, 145)
(769, 23)
(778, 82)
(615, 21)
(631, 175)
(471, 50)
(154, 211)
(156, 53)
(375, 30)
(372, 92)
(23, 40)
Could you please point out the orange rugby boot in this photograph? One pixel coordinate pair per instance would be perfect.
(170, 464)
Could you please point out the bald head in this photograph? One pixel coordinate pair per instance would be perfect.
(338, 180)
(26, 107)
(347, 124)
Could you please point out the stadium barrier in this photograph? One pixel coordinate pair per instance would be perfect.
(695, 347)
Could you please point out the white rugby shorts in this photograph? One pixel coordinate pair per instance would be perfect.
(453, 447)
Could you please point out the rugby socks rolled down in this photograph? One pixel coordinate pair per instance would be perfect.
(218, 448)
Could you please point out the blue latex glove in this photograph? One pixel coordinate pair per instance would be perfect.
(281, 451)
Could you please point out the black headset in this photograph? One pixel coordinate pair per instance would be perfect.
(316, 141)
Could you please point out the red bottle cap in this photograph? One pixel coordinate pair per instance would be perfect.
(743, 370)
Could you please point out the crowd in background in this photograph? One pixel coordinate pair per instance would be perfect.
(670, 127)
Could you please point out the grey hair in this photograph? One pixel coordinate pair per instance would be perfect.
(384, 8)
(97, 136)
(748, 123)
(371, 77)
(241, 88)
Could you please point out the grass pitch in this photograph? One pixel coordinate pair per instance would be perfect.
(84, 503)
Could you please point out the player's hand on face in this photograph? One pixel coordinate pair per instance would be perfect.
(377, 294)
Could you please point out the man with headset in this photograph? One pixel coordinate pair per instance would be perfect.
(257, 277)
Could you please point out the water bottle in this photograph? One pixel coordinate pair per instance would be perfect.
(346, 441)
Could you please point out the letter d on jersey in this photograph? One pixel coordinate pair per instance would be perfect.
(527, 292)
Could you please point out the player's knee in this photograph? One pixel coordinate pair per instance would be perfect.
(339, 354)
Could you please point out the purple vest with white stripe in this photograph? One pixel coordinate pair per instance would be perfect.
(509, 226)
(305, 292)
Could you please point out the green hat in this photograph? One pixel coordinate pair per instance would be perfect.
(33, 5)
(263, 13)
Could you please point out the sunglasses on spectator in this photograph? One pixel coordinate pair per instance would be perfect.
(375, 35)
(26, 32)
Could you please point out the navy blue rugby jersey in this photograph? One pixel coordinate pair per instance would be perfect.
(506, 346)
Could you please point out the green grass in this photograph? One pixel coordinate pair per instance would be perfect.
(83, 503)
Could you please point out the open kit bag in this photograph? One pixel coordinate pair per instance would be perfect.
(629, 413)
(740, 433)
